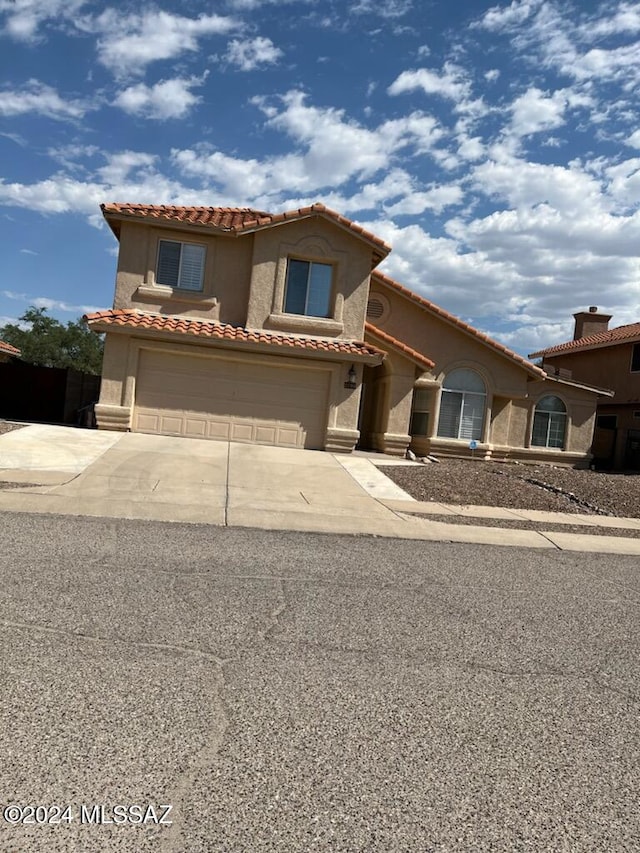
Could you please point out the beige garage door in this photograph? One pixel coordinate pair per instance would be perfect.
(234, 400)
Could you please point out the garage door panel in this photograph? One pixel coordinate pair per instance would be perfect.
(232, 400)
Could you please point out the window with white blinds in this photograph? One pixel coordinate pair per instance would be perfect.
(549, 423)
(180, 265)
(462, 405)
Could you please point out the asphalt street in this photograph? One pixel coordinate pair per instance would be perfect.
(307, 692)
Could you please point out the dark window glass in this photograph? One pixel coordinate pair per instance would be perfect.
(308, 288)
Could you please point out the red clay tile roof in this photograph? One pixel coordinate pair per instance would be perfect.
(620, 335)
(9, 348)
(140, 321)
(455, 321)
(233, 219)
(413, 354)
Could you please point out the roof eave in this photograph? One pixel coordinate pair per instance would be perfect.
(104, 325)
(546, 353)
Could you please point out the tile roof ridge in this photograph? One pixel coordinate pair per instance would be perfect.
(610, 336)
(456, 321)
(308, 210)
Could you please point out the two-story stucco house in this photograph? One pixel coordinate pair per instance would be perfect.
(611, 357)
(240, 325)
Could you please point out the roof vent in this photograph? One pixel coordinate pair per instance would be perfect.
(593, 309)
(375, 308)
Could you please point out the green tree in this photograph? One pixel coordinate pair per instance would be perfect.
(50, 343)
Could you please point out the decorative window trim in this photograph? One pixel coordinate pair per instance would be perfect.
(317, 249)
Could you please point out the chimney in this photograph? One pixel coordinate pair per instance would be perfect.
(590, 323)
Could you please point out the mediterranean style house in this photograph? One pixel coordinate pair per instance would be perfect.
(611, 357)
(236, 324)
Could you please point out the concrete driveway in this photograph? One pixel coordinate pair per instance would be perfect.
(68, 471)
(163, 478)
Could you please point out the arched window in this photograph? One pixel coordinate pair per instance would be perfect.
(549, 423)
(462, 405)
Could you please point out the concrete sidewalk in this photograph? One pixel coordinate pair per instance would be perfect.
(52, 469)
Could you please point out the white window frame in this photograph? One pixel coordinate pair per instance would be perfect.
(550, 413)
(466, 401)
(178, 285)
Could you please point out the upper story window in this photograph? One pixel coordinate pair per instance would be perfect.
(180, 265)
(549, 423)
(462, 405)
(635, 359)
(308, 288)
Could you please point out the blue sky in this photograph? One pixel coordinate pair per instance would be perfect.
(496, 147)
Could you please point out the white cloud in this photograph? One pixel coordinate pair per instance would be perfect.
(626, 19)
(24, 17)
(437, 198)
(249, 54)
(500, 18)
(620, 63)
(535, 111)
(331, 150)
(128, 43)
(384, 8)
(58, 305)
(164, 100)
(452, 82)
(526, 184)
(120, 165)
(37, 97)
(634, 139)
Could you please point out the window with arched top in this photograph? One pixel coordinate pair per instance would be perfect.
(549, 423)
(462, 405)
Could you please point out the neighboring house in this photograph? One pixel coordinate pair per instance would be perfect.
(7, 351)
(237, 324)
(611, 358)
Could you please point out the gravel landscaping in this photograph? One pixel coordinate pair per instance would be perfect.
(541, 487)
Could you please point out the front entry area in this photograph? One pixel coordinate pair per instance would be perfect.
(231, 398)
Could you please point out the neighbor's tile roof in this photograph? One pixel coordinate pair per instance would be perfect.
(9, 348)
(413, 354)
(455, 321)
(234, 219)
(601, 339)
(137, 320)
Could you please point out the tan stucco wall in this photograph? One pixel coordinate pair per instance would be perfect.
(580, 407)
(310, 239)
(226, 279)
(446, 345)
(512, 391)
(120, 367)
(607, 367)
